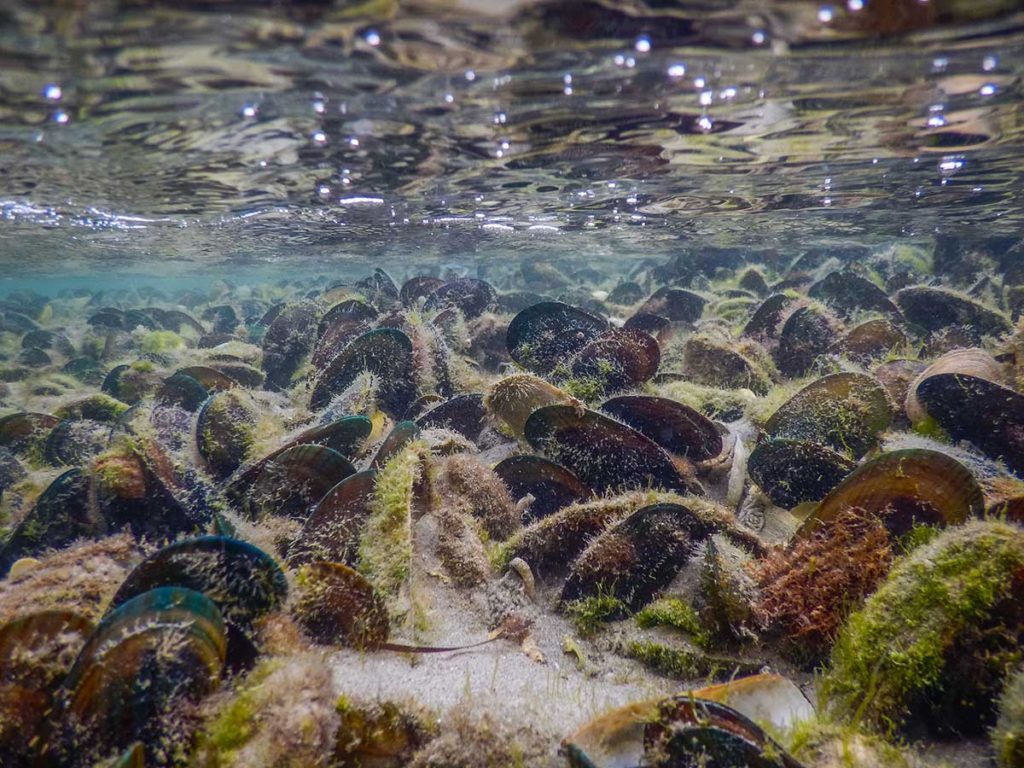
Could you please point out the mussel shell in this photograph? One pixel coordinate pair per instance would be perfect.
(677, 304)
(638, 556)
(243, 581)
(419, 287)
(183, 391)
(75, 442)
(791, 472)
(688, 732)
(752, 280)
(972, 362)
(871, 340)
(513, 398)
(716, 365)
(384, 352)
(331, 532)
(133, 757)
(210, 378)
(379, 289)
(160, 651)
(338, 606)
(240, 372)
(129, 384)
(98, 407)
(551, 485)
(626, 293)
(764, 323)
(34, 357)
(223, 318)
(341, 325)
(847, 293)
(897, 376)
(603, 453)
(20, 431)
(807, 333)
(464, 414)
(36, 653)
(545, 335)
(61, 515)
(934, 309)
(903, 488)
(400, 435)
(844, 411)
(473, 297)
(619, 359)
(982, 412)
(86, 369)
(288, 341)
(350, 309)
(292, 482)
(677, 428)
(224, 433)
(345, 436)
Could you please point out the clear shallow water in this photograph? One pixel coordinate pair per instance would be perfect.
(209, 135)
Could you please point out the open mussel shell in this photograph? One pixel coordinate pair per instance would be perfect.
(935, 309)
(618, 359)
(36, 653)
(224, 432)
(551, 485)
(677, 428)
(400, 435)
(847, 293)
(75, 442)
(331, 532)
(20, 432)
(677, 304)
(602, 452)
(844, 411)
(971, 362)
(296, 479)
(243, 581)
(387, 354)
(638, 556)
(471, 296)
(906, 487)
(338, 606)
(545, 335)
(807, 333)
(163, 650)
(791, 472)
(616, 739)
(688, 732)
(288, 341)
(982, 412)
(61, 515)
(513, 398)
(464, 414)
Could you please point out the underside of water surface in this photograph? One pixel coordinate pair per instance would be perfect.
(499, 383)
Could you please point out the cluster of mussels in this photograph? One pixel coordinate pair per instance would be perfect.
(709, 468)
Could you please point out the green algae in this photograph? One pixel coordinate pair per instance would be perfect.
(675, 613)
(894, 657)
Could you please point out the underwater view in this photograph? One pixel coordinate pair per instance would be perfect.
(511, 384)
